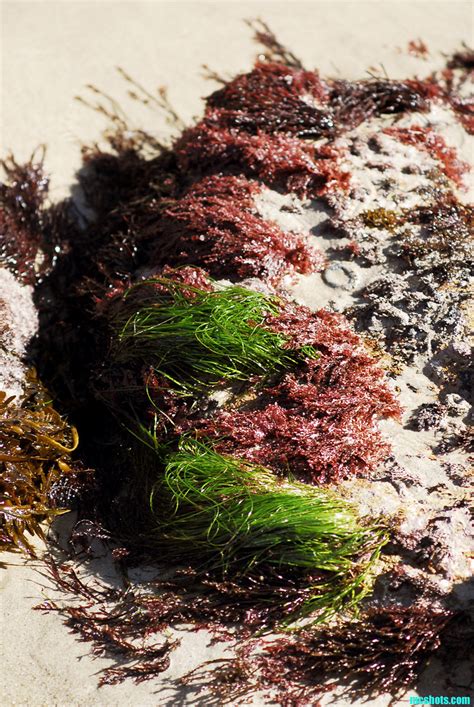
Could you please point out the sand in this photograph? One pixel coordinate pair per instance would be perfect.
(50, 51)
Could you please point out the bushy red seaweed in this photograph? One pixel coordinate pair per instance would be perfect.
(29, 229)
(281, 161)
(215, 225)
(352, 102)
(319, 421)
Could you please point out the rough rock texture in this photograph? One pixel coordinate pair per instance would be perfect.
(19, 323)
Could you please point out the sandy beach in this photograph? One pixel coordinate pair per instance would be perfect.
(50, 52)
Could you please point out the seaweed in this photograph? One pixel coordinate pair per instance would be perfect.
(304, 402)
(197, 339)
(274, 98)
(275, 50)
(381, 218)
(382, 651)
(418, 48)
(221, 513)
(115, 621)
(353, 102)
(215, 225)
(280, 161)
(38, 477)
(31, 232)
(304, 398)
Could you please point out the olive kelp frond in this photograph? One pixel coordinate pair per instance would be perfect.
(35, 459)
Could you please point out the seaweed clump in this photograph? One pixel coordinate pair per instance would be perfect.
(280, 161)
(381, 218)
(381, 652)
(215, 225)
(353, 102)
(274, 98)
(232, 517)
(38, 478)
(30, 231)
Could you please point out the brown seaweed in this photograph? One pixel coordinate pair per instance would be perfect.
(38, 479)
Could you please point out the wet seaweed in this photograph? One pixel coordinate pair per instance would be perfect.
(304, 403)
(222, 513)
(353, 102)
(273, 98)
(31, 231)
(383, 651)
(38, 478)
(215, 225)
(283, 162)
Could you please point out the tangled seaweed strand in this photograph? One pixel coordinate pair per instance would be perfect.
(37, 475)
(223, 513)
(116, 622)
(381, 652)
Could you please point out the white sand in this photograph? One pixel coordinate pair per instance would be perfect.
(50, 51)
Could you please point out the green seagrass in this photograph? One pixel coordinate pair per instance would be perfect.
(197, 338)
(238, 519)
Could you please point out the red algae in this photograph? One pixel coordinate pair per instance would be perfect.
(274, 98)
(215, 225)
(382, 652)
(26, 225)
(281, 161)
(426, 139)
(352, 102)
